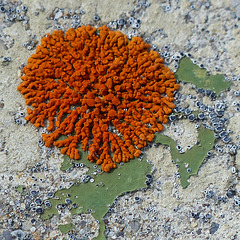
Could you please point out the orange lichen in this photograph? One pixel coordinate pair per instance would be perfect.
(102, 90)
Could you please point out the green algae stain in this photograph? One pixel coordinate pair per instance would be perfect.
(192, 158)
(65, 228)
(190, 72)
(66, 164)
(97, 196)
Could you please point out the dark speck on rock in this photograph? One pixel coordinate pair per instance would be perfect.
(120, 234)
(211, 193)
(213, 95)
(188, 111)
(39, 210)
(212, 115)
(230, 193)
(196, 215)
(208, 92)
(199, 231)
(220, 113)
(34, 193)
(172, 118)
(208, 216)
(214, 227)
(191, 117)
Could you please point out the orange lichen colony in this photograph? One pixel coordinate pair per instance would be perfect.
(102, 90)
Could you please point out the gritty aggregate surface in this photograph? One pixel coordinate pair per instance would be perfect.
(206, 31)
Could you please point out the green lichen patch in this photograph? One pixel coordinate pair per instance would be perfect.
(20, 188)
(66, 164)
(65, 228)
(190, 161)
(96, 197)
(190, 72)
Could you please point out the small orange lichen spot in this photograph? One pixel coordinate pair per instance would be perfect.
(101, 90)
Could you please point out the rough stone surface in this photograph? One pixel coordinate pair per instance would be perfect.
(207, 30)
